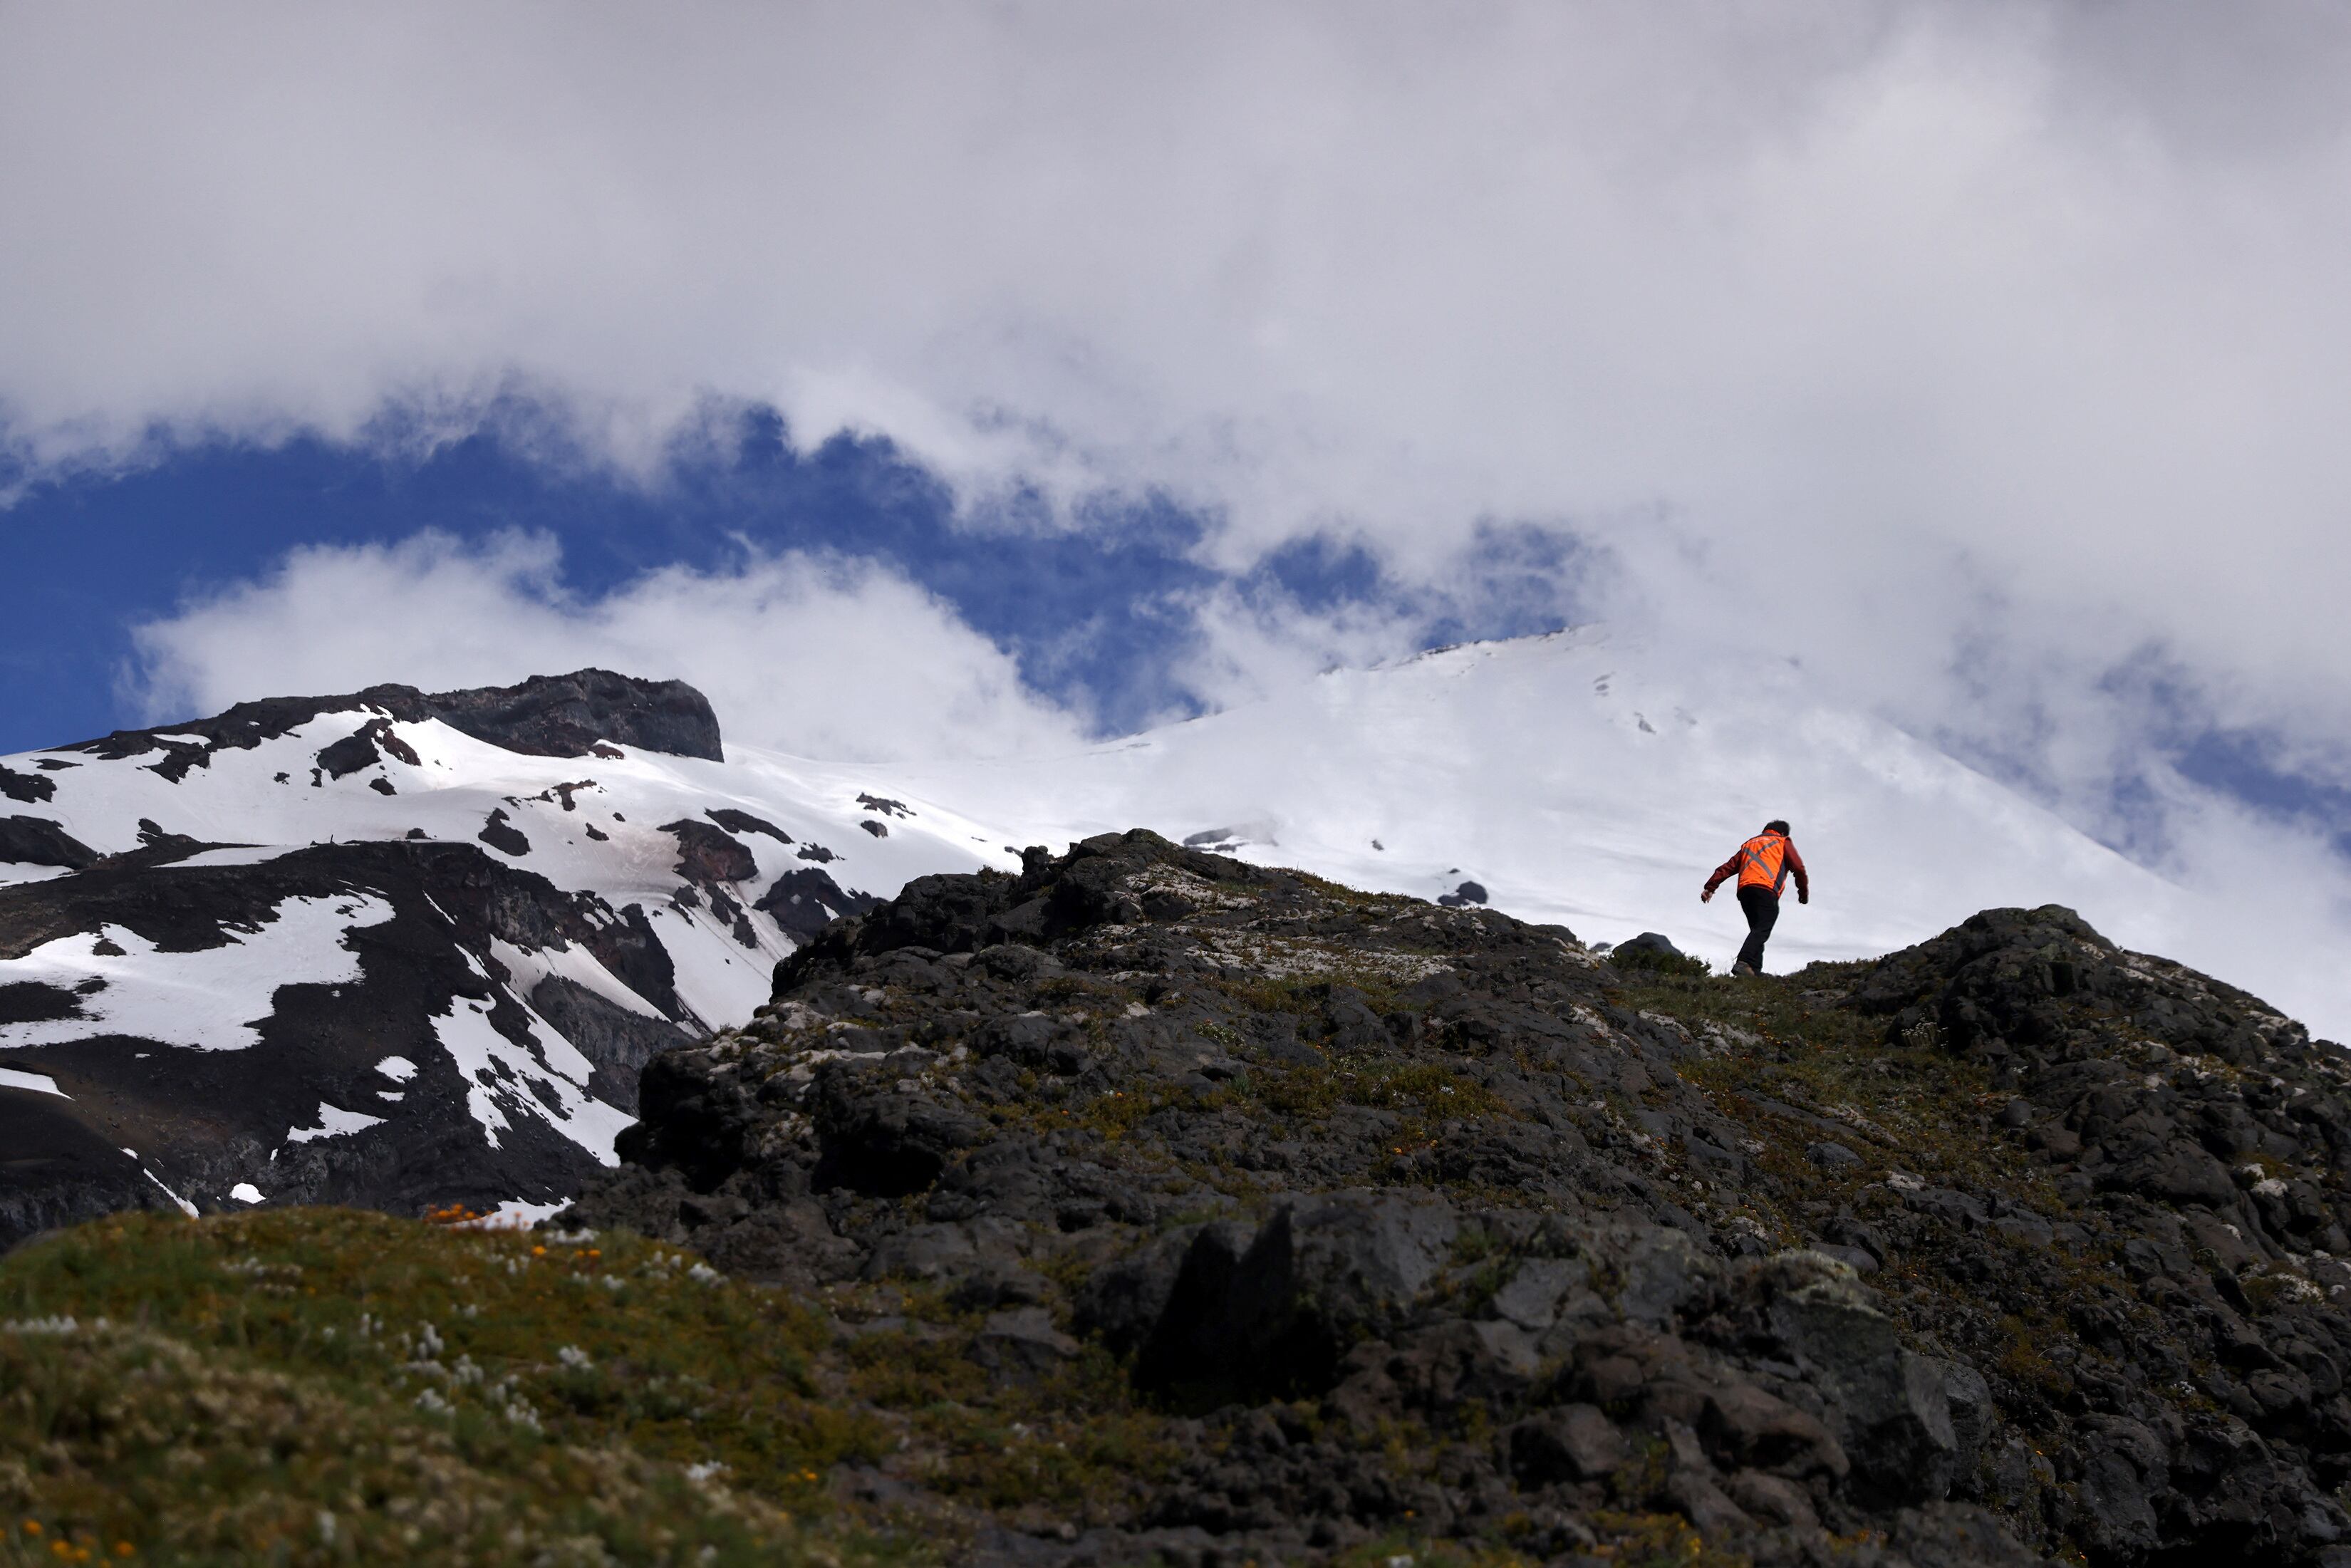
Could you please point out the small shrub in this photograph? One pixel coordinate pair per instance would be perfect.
(1656, 961)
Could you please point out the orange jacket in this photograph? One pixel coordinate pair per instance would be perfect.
(1764, 861)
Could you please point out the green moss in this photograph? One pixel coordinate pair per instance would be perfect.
(2022, 1363)
(1117, 1113)
(1421, 1089)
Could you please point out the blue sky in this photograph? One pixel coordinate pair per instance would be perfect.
(1097, 616)
(104, 552)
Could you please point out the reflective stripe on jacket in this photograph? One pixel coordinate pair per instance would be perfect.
(1763, 861)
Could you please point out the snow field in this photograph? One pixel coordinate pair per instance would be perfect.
(211, 1000)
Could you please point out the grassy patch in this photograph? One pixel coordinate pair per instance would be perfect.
(329, 1385)
(1418, 1089)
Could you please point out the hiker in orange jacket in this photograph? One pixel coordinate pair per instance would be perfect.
(1762, 865)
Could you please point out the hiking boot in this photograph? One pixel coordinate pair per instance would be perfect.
(1743, 969)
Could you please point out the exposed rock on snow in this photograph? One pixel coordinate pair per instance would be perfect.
(209, 933)
(503, 836)
(710, 855)
(30, 788)
(804, 902)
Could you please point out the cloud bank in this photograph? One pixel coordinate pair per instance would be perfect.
(1920, 264)
(817, 656)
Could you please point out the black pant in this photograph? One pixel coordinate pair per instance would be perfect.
(1763, 906)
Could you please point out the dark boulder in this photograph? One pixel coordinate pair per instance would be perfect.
(1568, 1443)
(1320, 1273)
(880, 1139)
(1888, 1405)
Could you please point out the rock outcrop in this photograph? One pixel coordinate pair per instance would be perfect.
(545, 716)
(1409, 1219)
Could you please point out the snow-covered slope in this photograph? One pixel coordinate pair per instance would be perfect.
(593, 825)
(1574, 785)
(346, 949)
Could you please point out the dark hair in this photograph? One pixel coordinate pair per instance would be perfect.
(1775, 826)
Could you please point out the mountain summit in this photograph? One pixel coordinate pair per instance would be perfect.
(395, 949)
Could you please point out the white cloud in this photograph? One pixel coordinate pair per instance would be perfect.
(1970, 352)
(817, 655)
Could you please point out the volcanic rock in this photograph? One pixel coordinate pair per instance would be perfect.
(1283, 1148)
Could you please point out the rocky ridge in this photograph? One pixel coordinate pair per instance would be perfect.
(1359, 1220)
(545, 716)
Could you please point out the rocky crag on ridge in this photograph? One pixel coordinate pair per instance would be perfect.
(1397, 1221)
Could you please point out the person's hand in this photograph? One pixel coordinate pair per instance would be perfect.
(1804, 898)
(1705, 895)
